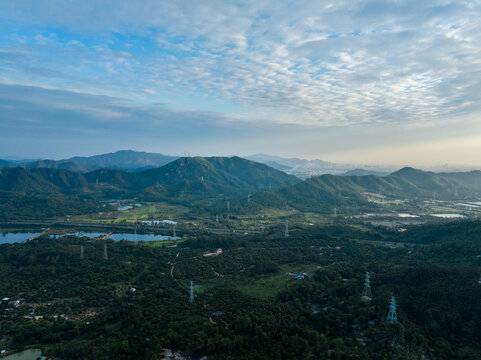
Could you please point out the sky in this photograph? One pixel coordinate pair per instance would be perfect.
(374, 82)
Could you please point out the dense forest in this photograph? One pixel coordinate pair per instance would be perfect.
(14, 206)
(247, 303)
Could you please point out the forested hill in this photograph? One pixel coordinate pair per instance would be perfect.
(6, 164)
(184, 177)
(323, 193)
(216, 176)
(126, 160)
(469, 178)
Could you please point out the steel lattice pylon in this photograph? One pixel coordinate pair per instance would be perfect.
(191, 297)
(367, 287)
(392, 315)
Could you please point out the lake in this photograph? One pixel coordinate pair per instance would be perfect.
(11, 237)
(31, 354)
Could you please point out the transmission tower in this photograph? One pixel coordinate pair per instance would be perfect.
(287, 228)
(106, 257)
(392, 315)
(173, 231)
(81, 251)
(366, 292)
(191, 297)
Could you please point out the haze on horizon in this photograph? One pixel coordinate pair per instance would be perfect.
(374, 82)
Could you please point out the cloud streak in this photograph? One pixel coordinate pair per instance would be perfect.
(342, 63)
(338, 63)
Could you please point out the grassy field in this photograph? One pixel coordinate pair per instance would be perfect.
(154, 211)
(265, 286)
(163, 243)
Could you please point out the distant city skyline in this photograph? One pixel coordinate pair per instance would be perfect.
(367, 82)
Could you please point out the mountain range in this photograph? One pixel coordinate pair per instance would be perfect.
(126, 160)
(304, 169)
(192, 177)
(325, 192)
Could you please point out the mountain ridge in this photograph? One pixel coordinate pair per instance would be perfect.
(126, 160)
(325, 192)
(184, 177)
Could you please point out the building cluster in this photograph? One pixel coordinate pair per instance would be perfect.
(158, 222)
(168, 354)
(299, 276)
(213, 253)
(12, 303)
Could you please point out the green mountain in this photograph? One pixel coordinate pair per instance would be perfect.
(427, 183)
(196, 177)
(126, 160)
(217, 176)
(41, 181)
(186, 178)
(6, 164)
(364, 172)
(469, 178)
(323, 193)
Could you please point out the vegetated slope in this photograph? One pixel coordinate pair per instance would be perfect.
(126, 160)
(323, 193)
(364, 172)
(6, 164)
(42, 181)
(468, 178)
(186, 177)
(212, 177)
(16, 206)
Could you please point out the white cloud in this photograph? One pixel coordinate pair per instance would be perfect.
(342, 62)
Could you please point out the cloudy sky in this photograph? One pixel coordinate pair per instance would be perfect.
(387, 82)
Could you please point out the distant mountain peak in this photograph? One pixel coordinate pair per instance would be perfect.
(408, 170)
(127, 160)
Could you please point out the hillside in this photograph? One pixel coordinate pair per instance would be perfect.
(42, 181)
(6, 164)
(469, 178)
(325, 192)
(364, 172)
(183, 178)
(126, 160)
(198, 178)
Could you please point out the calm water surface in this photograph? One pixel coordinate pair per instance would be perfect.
(11, 238)
(31, 354)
